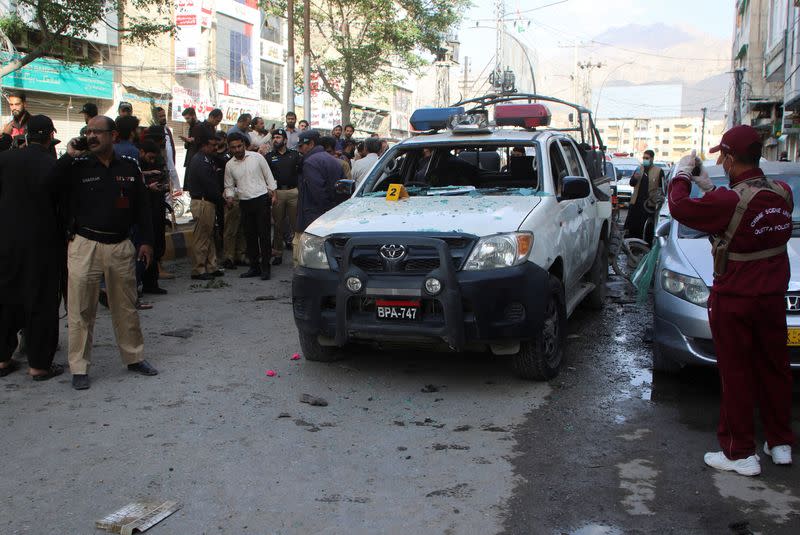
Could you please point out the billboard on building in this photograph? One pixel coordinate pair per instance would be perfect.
(52, 76)
(187, 36)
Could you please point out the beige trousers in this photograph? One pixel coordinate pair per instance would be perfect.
(296, 248)
(204, 252)
(285, 205)
(87, 262)
(233, 243)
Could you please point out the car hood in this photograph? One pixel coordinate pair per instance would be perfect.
(698, 253)
(477, 215)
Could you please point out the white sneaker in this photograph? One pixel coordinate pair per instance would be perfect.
(779, 454)
(745, 467)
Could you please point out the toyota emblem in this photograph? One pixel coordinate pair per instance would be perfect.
(393, 252)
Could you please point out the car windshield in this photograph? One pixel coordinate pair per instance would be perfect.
(457, 169)
(721, 181)
(626, 171)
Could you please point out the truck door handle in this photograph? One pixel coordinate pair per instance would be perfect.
(580, 211)
(593, 201)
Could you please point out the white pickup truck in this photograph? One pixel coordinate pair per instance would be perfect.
(501, 235)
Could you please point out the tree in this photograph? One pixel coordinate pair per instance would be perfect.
(361, 45)
(53, 24)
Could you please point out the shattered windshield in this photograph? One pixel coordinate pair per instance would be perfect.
(441, 169)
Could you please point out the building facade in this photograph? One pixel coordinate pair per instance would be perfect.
(669, 137)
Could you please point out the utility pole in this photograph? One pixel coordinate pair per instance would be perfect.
(290, 59)
(703, 134)
(307, 60)
(738, 77)
(588, 66)
(466, 78)
(497, 77)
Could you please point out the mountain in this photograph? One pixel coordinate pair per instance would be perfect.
(651, 37)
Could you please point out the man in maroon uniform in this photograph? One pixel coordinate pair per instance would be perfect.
(751, 223)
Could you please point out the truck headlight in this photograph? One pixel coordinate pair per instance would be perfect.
(312, 252)
(684, 287)
(500, 250)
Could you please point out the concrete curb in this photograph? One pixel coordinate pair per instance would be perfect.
(178, 244)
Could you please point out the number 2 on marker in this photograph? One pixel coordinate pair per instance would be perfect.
(393, 193)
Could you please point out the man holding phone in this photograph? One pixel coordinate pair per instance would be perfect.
(106, 196)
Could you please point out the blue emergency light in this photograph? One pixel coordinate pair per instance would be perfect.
(433, 118)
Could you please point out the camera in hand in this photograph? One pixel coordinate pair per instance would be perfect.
(81, 144)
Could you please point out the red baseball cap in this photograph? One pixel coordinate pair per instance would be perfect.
(738, 140)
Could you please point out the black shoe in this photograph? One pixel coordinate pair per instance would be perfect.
(103, 300)
(265, 275)
(229, 264)
(154, 290)
(80, 381)
(143, 367)
(53, 371)
(288, 245)
(203, 277)
(252, 272)
(218, 273)
(277, 260)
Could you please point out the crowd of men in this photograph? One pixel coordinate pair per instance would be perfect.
(97, 232)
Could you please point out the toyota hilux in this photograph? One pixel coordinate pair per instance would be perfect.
(478, 233)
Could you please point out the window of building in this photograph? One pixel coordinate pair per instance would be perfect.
(627, 131)
(665, 142)
(272, 30)
(235, 50)
(271, 81)
(777, 23)
(664, 154)
(666, 130)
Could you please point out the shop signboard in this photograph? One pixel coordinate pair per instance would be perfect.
(52, 76)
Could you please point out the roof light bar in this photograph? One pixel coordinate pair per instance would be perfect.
(426, 119)
(524, 115)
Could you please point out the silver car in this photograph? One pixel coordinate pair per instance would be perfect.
(684, 274)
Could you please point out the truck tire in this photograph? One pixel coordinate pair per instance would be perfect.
(598, 276)
(540, 358)
(312, 350)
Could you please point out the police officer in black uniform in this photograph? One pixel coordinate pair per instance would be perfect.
(285, 164)
(31, 252)
(106, 196)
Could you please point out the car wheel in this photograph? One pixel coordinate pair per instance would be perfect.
(598, 276)
(540, 358)
(661, 362)
(314, 351)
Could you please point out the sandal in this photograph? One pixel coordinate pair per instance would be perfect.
(13, 366)
(141, 305)
(54, 371)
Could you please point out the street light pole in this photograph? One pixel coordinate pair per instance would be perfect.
(290, 59)
(600, 91)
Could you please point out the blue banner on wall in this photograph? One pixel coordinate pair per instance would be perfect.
(52, 76)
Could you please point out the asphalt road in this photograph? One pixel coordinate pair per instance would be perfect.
(409, 442)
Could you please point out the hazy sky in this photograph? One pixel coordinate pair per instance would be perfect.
(559, 25)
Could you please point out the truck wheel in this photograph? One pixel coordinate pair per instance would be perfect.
(540, 358)
(661, 362)
(312, 350)
(598, 276)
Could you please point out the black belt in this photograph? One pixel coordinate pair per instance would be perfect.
(101, 236)
(286, 187)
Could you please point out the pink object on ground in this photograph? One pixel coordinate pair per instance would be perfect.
(296, 356)
(271, 373)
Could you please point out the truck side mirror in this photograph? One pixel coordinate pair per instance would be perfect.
(345, 187)
(663, 228)
(575, 187)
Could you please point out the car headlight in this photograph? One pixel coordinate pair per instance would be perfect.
(312, 252)
(684, 287)
(500, 250)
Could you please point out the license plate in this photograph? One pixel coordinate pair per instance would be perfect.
(793, 338)
(397, 310)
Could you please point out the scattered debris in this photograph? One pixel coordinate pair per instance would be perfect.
(271, 373)
(462, 428)
(336, 498)
(265, 298)
(401, 448)
(296, 356)
(462, 490)
(284, 415)
(427, 389)
(137, 517)
(313, 400)
(494, 429)
(442, 447)
(179, 333)
(399, 423)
